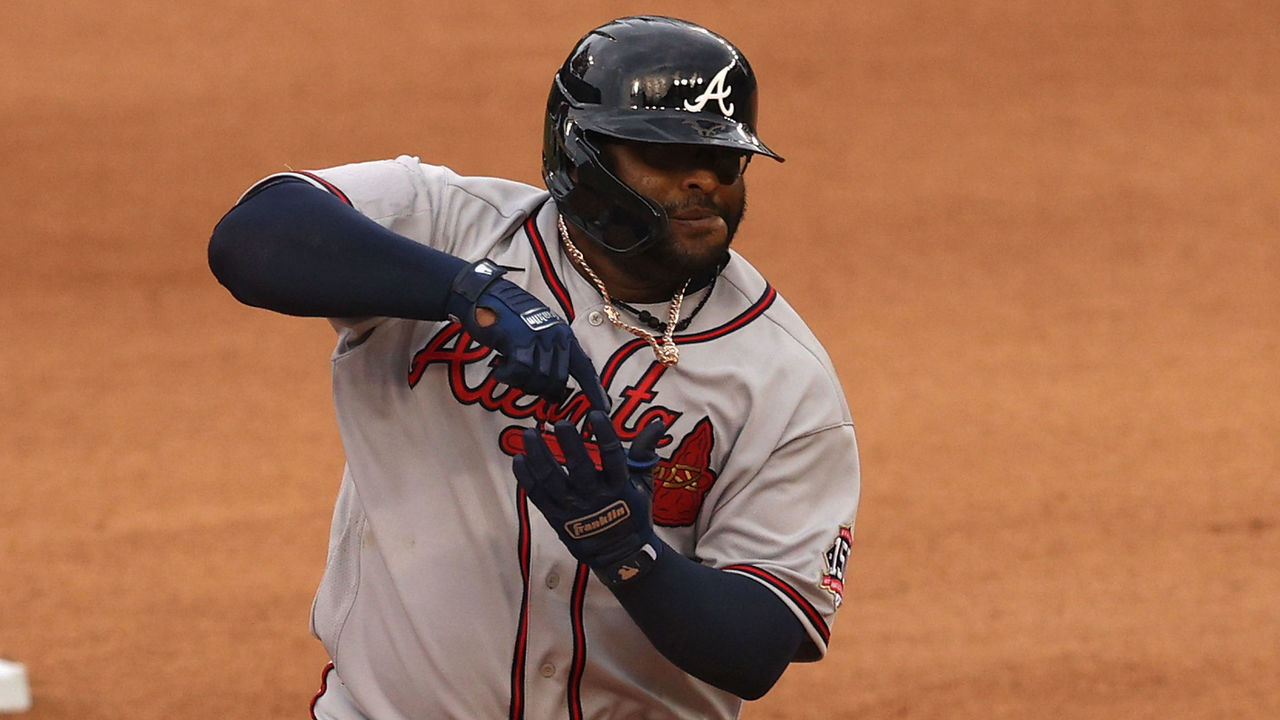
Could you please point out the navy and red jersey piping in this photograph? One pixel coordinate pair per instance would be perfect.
(755, 310)
(324, 687)
(327, 186)
(518, 659)
(561, 293)
(549, 275)
(573, 693)
(806, 607)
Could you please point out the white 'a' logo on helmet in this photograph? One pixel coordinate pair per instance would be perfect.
(716, 90)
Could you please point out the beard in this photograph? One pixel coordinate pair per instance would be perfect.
(698, 255)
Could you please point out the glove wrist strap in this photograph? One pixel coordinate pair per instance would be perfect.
(475, 278)
(632, 567)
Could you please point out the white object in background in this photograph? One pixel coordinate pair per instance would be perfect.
(15, 694)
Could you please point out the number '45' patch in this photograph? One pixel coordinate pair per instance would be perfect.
(837, 559)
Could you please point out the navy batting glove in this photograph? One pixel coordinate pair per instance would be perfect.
(538, 352)
(603, 516)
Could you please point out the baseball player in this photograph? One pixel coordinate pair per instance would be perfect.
(597, 467)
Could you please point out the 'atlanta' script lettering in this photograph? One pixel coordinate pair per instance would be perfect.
(455, 349)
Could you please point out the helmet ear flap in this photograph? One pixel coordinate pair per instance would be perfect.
(589, 195)
(601, 205)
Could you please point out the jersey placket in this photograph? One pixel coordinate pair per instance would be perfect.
(555, 647)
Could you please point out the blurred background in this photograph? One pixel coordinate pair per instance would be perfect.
(1041, 241)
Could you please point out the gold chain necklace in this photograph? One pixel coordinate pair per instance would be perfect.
(664, 348)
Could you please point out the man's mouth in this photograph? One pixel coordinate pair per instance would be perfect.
(693, 214)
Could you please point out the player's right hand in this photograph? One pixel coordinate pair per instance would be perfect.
(537, 350)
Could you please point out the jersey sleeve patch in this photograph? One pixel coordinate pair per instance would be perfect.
(836, 559)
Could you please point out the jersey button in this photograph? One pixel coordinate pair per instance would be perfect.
(595, 317)
(553, 580)
(547, 670)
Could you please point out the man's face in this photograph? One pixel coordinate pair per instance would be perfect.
(700, 188)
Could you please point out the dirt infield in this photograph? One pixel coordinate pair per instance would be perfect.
(1041, 241)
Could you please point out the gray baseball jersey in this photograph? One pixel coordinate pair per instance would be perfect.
(446, 594)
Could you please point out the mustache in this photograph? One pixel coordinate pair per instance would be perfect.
(694, 203)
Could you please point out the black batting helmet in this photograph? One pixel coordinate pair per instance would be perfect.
(646, 78)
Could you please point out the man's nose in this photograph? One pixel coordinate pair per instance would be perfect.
(700, 177)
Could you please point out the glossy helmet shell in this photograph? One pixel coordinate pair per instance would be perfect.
(650, 79)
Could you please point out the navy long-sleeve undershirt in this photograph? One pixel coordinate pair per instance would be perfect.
(724, 629)
(296, 249)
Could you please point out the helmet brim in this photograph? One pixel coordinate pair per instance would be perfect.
(673, 127)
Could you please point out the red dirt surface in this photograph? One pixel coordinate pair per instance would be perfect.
(1041, 241)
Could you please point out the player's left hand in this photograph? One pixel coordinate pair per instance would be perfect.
(603, 516)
